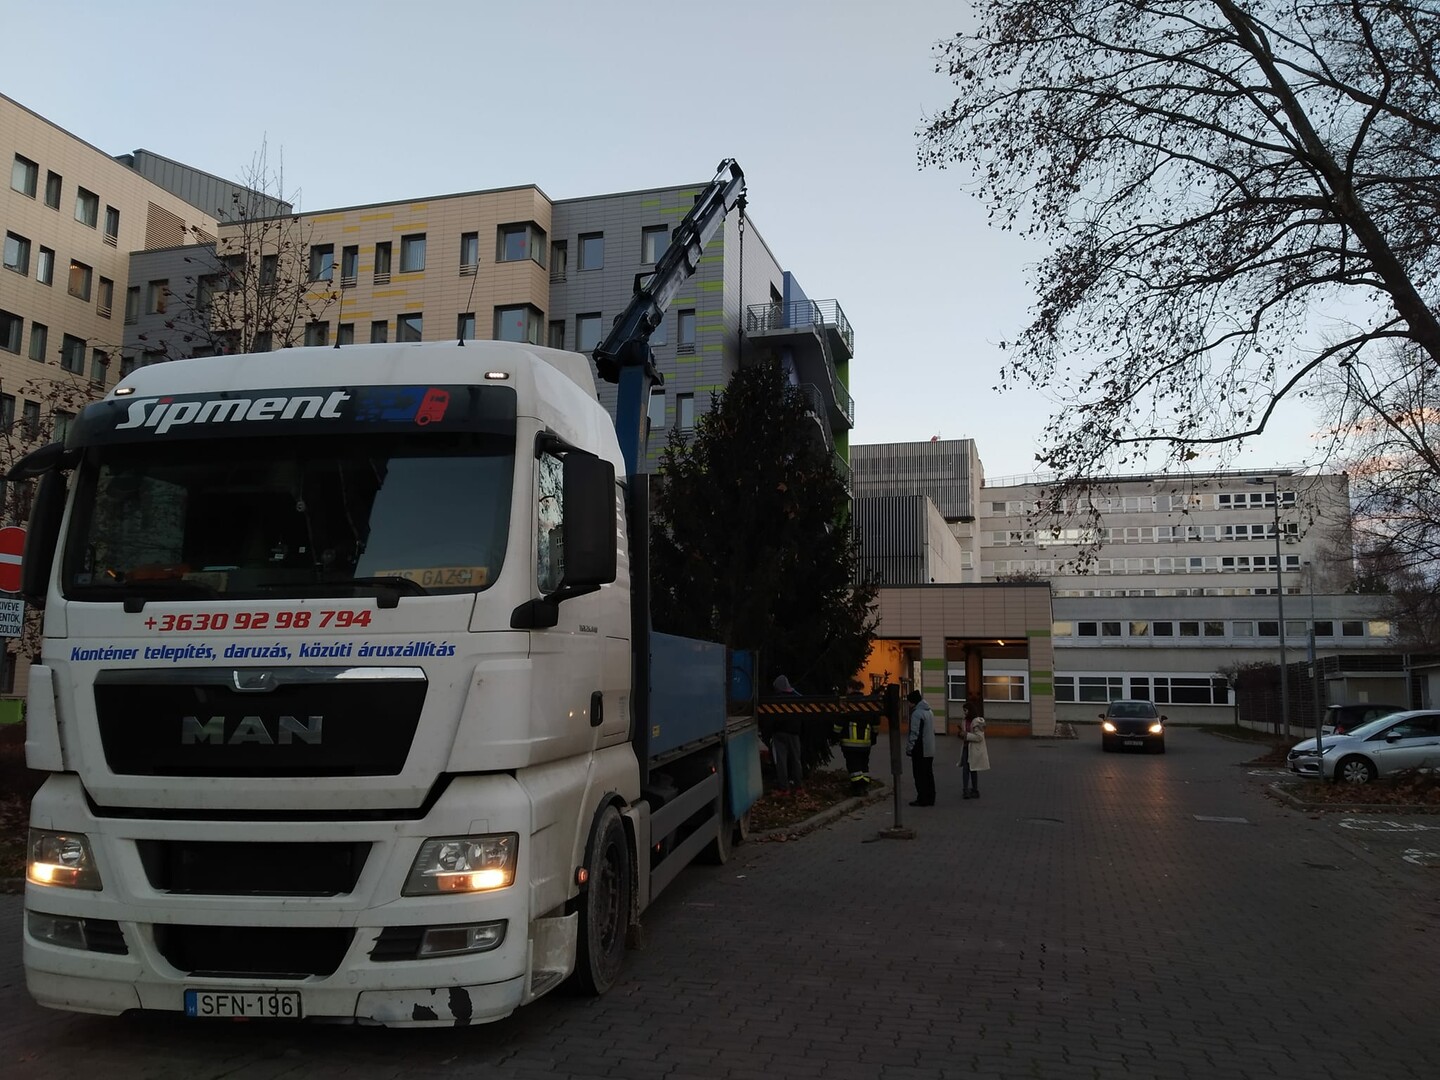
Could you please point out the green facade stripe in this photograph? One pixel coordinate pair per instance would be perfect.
(1041, 673)
(933, 665)
(1038, 633)
(1038, 689)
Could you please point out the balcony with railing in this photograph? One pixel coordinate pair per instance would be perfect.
(818, 335)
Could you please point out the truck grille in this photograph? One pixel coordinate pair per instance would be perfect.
(254, 952)
(216, 868)
(227, 722)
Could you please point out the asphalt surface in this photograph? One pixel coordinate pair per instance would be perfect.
(1091, 915)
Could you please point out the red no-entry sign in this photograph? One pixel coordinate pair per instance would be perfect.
(12, 546)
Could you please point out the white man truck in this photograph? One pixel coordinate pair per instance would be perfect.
(348, 696)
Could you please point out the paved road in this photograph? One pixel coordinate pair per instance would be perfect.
(1090, 916)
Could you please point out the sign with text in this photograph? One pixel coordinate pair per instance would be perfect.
(12, 617)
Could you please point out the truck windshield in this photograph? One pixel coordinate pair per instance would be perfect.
(320, 515)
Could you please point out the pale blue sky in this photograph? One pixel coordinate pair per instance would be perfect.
(818, 100)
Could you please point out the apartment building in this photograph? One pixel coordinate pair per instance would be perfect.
(512, 264)
(71, 216)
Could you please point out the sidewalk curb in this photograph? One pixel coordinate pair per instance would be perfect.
(1278, 790)
(824, 817)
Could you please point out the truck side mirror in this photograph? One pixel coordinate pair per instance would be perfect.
(40, 540)
(589, 523)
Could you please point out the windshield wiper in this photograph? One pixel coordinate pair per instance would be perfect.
(159, 589)
(391, 588)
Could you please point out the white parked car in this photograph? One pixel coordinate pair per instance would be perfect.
(1383, 747)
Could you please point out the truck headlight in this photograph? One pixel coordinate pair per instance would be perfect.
(448, 864)
(61, 858)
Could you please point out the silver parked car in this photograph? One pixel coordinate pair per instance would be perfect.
(1383, 747)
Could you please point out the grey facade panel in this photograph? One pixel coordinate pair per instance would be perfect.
(943, 470)
(891, 536)
(203, 190)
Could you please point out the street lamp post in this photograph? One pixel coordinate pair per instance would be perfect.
(1274, 482)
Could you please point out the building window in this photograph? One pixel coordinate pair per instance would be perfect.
(1349, 628)
(1162, 628)
(655, 414)
(24, 176)
(105, 298)
(1109, 629)
(99, 362)
(1267, 628)
(7, 412)
(12, 329)
(592, 251)
(1242, 628)
(1379, 629)
(317, 333)
(345, 334)
(132, 304)
(685, 330)
(409, 327)
(157, 296)
(45, 266)
(685, 411)
(52, 190)
(264, 341)
(87, 207)
(112, 226)
(559, 260)
(382, 263)
(72, 353)
(39, 338)
(379, 332)
(322, 262)
(518, 323)
(62, 419)
(587, 332)
(659, 335)
(520, 241)
(1139, 628)
(469, 253)
(412, 254)
(654, 239)
(17, 253)
(998, 687)
(80, 275)
(349, 266)
(30, 419)
(1062, 628)
(465, 326)
(555, 337)
(269, 272)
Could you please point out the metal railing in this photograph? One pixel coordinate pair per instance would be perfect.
(821, 315)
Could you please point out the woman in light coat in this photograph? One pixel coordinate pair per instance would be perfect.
(975, 756)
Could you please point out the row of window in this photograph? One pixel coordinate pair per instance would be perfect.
(25, 178)
(514, 242)
(72, 348)
(1142, 534)
(1147, 504)
(1195, 564)
(29, 429)
(1161, 689)
(81, 281)
(1234, 629)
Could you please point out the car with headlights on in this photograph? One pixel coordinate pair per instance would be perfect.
(1382, 747)
(1132, 723)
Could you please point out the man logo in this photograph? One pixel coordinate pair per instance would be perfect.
(223, 731)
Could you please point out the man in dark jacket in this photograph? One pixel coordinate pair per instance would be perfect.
(785, 743)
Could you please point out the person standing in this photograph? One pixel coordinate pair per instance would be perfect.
(785, 743)
(857, 732)
(921, 747)
(975, 755)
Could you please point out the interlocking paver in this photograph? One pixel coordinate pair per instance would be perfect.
(1076, 921)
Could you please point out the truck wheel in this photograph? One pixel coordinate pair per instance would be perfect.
(605, 907)
(732, 832)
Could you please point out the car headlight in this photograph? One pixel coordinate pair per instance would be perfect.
(61, 858)
(449, 864)
(1107, 727)
(1157, 728)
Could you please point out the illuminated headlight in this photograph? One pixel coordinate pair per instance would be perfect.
(62, 859)
(453, 940)
(1157, 728)
(448, 864)
(1108, 727)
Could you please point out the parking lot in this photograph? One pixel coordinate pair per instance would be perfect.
(1091, 915)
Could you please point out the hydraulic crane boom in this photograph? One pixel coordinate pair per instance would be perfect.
(624, 356)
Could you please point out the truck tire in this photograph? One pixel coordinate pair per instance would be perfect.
(604, 907)
(732, 832)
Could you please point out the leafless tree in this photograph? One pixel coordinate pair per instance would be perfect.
(254, 289)
(1213, 179)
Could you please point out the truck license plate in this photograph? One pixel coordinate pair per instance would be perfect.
(248, 1004)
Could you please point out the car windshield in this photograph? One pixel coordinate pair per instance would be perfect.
(312, 515)
(1131, 710)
